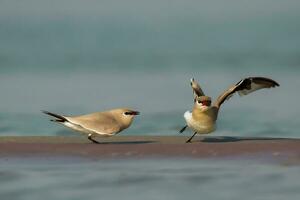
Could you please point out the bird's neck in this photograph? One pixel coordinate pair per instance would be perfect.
(126, 123)
(204, 114)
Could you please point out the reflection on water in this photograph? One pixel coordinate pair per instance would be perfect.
(73, 178)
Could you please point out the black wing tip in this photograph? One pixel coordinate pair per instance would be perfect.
(45, 112)
(253, 79)
(274, 83)
(49, 113)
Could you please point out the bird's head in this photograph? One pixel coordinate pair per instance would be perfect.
(203, 102)
(125, 115)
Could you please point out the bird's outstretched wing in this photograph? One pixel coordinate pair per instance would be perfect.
(197, 91)
(244, 87)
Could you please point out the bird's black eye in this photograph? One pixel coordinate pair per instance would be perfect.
(126, 113)
(199, 101)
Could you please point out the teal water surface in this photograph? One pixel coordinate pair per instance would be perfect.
(76, 57)
(161, 98)
(93, 56)
(73, 178)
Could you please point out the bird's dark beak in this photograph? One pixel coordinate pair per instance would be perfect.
(135, 113)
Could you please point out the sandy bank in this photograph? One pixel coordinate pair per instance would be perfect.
(156, 146)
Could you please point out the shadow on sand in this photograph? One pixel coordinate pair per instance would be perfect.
(125, 142)
(236, 139)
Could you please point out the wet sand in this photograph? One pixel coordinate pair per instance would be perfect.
(156, 146)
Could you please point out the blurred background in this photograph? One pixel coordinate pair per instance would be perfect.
(75, 57)
(81, 56)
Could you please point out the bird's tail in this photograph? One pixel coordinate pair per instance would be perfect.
(58, 118)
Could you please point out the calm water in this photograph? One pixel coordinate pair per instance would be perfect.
(100, 55)
(146, 179)
(161, 98)
(75, 57)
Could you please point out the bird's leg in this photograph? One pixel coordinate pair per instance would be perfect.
(183, 129)
(90, 138)
(189, 140)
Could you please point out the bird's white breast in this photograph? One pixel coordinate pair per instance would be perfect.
(198, 126)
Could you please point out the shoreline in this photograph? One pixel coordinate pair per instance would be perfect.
(282, 149)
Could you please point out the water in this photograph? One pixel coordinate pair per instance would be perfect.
(161, 98)
(92, 56)
(146, 179)
(72, 57)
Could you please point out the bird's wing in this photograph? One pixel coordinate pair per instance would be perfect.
(197, 91)
(100, 123)
(244, 87)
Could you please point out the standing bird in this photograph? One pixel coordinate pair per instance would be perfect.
(202, 120)
(107, 123)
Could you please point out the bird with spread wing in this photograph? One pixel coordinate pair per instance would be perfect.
(202, 119)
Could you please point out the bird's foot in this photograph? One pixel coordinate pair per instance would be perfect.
(189, 141)
(93, 140)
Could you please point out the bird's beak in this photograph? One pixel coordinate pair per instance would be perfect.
(206, 103)
(135, 112)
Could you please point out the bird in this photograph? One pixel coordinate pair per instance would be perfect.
(106, 123)
(202, 119)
